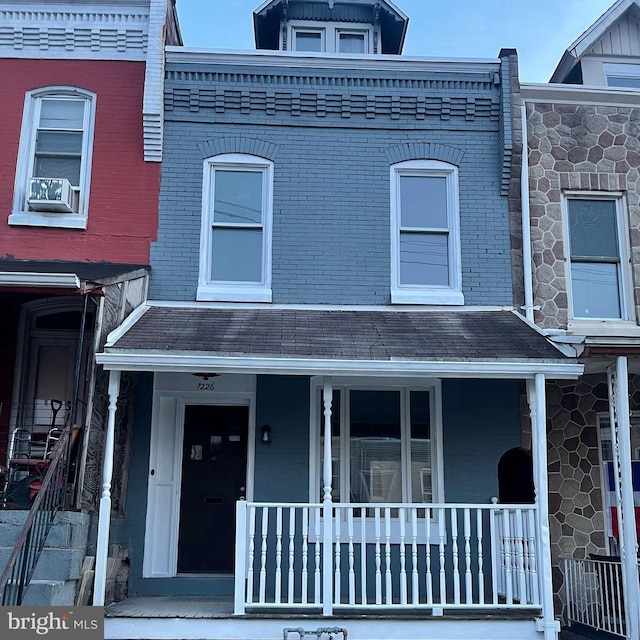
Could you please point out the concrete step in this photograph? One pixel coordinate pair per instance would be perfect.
(53, 564)
(55, 593)
(70, 528)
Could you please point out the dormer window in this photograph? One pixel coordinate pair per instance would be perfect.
(330, 37)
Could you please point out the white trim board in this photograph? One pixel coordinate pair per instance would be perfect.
(418, 628)
(193, 362)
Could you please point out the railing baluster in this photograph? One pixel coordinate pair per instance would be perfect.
(337, 579)
(403, 561)
(263, 556)
(427, 537)
(352, 572)
(292, 553)
(533, 559)
(415, 584)
(443, 576)
(494, 538)
(317, 576)
(468, 584)
(305, 556)
(506, 521)
(278, 576)
(479, 533)
(252, 537)
(363, 556)
(376, 512)
(387, 554)
(522, 584)
(454, 550)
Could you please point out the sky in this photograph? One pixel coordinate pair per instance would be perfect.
(540, 30)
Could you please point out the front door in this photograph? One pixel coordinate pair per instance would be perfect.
(214, 470)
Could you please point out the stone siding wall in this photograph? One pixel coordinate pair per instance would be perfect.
(577, 148)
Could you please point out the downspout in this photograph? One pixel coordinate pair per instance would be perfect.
(526, 221)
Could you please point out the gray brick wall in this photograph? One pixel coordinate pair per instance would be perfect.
(331, 207)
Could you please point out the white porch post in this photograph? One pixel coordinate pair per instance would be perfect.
(627, 537)
(327, 506)
(104, 516)
(537, 407)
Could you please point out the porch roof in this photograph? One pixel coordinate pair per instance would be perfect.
(64, 273)
(333, 342)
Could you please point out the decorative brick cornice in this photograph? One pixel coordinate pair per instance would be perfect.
(424, 151)
(312, 103)
(107, 32)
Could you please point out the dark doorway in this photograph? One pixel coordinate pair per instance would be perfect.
(214, 469)
(515, 477)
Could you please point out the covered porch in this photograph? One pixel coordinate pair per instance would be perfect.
(374, 541)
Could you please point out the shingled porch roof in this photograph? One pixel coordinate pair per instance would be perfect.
(293, 340)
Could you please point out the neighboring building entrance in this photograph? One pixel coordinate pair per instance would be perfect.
(214, 471)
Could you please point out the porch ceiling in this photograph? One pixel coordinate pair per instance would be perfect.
(294, 340)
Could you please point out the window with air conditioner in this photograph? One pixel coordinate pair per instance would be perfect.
(54, 161)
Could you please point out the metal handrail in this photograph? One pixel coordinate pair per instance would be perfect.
(49, 500)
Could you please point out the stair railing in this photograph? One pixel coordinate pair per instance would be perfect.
(50, 498)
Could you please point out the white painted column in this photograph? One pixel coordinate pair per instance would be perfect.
(327, 505)
(537, 407)
(104, 516)
(627, 537)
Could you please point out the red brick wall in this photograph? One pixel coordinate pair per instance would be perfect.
(123, 201)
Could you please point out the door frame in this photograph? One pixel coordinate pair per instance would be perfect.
(160, 557)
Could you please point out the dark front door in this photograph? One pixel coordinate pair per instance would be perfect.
(214, 470)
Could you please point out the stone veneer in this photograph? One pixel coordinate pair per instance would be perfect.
(577, 147)
(576, 515)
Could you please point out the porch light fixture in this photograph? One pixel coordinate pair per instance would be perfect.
(205, 376)
(265, 438)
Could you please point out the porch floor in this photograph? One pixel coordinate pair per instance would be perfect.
(221, 607)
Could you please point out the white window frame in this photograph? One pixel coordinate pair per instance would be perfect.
(235, 291)
(433, 387)
(331, 32)
(427, 294)
(21, 215)
(617, 70)
(625, 292)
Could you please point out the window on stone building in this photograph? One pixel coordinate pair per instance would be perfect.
(235, 244)
(622, 76)
(425, 240)
(54, 160)
(596, 251)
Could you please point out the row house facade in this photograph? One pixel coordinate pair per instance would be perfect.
(581, 242)
(80, 142)
(328, 372)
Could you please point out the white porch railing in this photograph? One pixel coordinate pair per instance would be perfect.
(459, 556)
(594, 594)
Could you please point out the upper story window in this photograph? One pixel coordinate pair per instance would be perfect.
(597, 277)
(235, 243)
(425, 238)
(330, 38)
(626, 76)
(54, 161)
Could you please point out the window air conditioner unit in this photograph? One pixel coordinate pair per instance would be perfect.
(54, 195)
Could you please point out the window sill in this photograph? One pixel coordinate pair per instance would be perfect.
(607, 328)
(233, 293)
(423, 296)
(51, 220)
